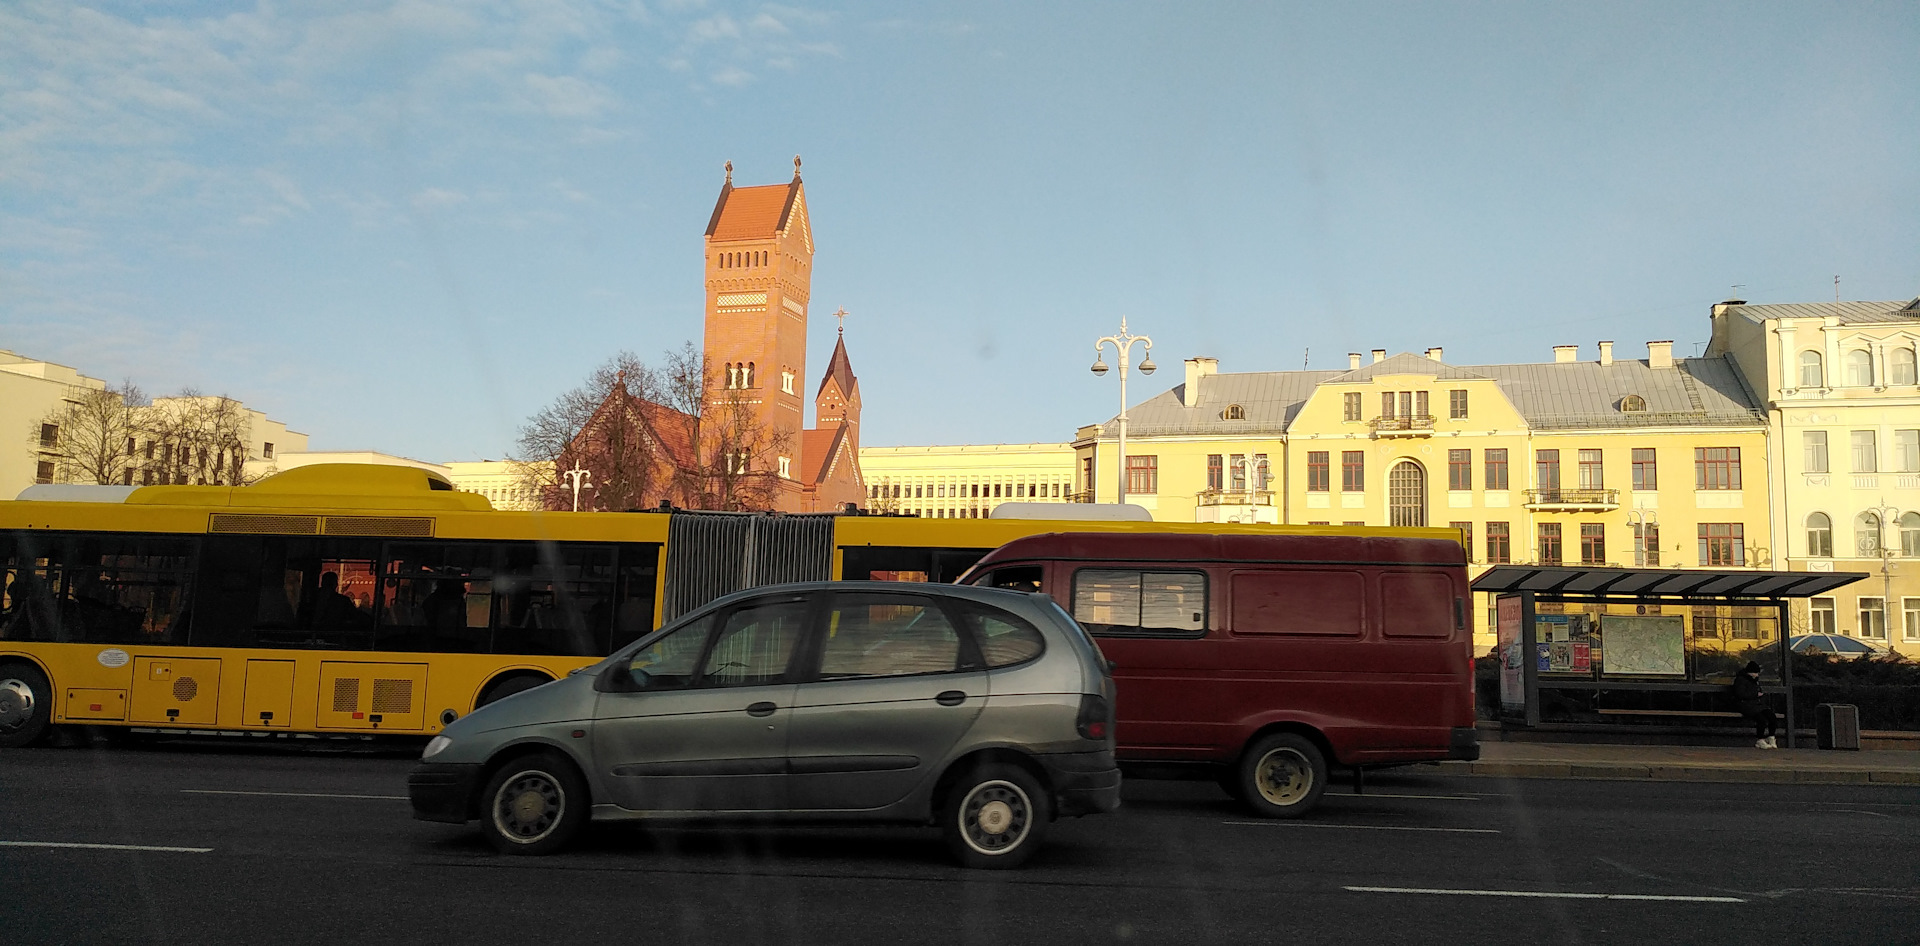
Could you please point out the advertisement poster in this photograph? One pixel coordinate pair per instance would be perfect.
(1512, 689)
(1566, 643)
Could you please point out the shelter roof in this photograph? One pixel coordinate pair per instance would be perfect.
(1661, 582)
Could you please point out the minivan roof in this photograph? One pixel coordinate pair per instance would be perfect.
(1139, 547)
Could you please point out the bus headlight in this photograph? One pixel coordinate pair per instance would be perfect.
(434, 747)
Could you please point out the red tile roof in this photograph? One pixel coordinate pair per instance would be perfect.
(819, 447)
(839, 371)
(752, 213)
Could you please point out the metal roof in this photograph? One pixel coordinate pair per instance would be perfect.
(1661, 582)
(1848, 313)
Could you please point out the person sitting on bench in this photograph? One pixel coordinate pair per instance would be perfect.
(1750, 700)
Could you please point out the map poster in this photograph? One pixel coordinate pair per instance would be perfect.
(1644, 646)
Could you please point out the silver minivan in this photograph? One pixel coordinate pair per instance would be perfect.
(986, 712)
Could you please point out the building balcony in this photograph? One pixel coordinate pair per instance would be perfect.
(1573, 500)
(1227, 497)
(1084, 496)
(1406, 425)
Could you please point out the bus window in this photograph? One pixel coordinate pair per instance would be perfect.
(554, 598)
(282, 591)
(437, 597)
(96, 589)
(633, 612)
(905, 563)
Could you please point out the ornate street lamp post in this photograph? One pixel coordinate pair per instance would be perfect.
(581, 478)
(1122, 343)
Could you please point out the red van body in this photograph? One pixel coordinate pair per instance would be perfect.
(1360, 644)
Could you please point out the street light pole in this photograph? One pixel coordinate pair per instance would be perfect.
(1253, 472)
(1889, 518)
(579, 476)
(1640, 519)
(1121, 344)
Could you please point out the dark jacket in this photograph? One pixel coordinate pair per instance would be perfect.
(1746, 691)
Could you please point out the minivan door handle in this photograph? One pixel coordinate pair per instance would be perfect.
(951, 698)
(762, 708)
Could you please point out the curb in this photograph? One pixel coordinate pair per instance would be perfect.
(1679, 773)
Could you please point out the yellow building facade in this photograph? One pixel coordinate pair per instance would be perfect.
(1838, 384)
(965, 481)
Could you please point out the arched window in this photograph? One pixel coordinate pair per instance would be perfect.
(733, 377)
(1866, 534)
(1407, 494)
(1234, 412)
(1811, 373)
(1633, 404)
(1860, 368)
(1819, 536)
(1910, 535)
(1900, 368)
(747, 379)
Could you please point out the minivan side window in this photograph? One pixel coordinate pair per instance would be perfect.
(869, 635)
(754, 646)
(669, 662)
(1006, 640)
(1128, 602)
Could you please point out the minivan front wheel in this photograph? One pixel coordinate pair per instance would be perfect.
(534, 804)
(995, 817)
(1282, 775)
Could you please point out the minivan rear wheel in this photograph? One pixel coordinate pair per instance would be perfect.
(995, 816)
(534, 804)
(1282, 775)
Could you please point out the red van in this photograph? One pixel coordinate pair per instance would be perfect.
(1263, 658)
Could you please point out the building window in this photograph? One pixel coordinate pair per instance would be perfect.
(1910, 535)
(1234, 412)
(786, 381)
(1350, 406)
(1466, 536)
(1546, 469)
(1646, 471)
(1407, 494)
(43, 471)
(49, 436)
(1262, 472)
(1813, 451)
(1900, 368)
(1820, 612)
(1716, 468)
(1549, 543)
(1866, 451)
(1910, 619)
(1419, 404)
(1459, 469)
(1496, 468)
(1906, 451)
(1633, 404)
(1873, 618)
(1319, 476)
(1646, 538)
(1593, 543)
(1457, 403)
(1859, 369)
(1811, 373)
(1591, 472)
(1819, 536)
(1214, 471)
(1722, 544)
(1237, 473)
(1143, 474)
(1386, 404)
(1499, 543)
(1353, 471)
(1086, 475)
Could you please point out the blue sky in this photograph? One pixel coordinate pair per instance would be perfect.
(406, 226)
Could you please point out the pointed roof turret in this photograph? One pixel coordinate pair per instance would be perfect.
(839, 369)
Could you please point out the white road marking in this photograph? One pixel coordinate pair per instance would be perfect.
(216, 791)
(1544, 894)
(109, 847)
(1362, 827)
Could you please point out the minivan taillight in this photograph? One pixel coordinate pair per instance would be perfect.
(1096, 717)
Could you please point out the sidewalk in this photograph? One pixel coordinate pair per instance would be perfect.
(1690, 764)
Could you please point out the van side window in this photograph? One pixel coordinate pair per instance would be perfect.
(1015, 577)
(1005, 640)
(1305, 601)
(1126, 602)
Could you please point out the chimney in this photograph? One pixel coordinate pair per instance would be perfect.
(1565, 354)
(1379, 355)
(1197, 368)
(1353, 360)
(1433, 354)
(1606, 353)
(1660, 354)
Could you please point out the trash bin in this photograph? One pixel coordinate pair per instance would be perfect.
(1837, 725)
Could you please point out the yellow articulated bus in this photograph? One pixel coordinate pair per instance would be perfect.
(359, 599)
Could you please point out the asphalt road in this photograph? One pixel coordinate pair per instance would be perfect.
(274, 847)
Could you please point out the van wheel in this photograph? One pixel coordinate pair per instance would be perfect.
(995, 816)
(534, 804)
(26, 705)
(1282, 776)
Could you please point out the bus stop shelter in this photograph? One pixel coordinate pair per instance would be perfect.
(1615, 643)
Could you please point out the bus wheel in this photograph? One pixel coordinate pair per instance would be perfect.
(507, 686)
(534, 804)
(1282, 775)
(25, 705)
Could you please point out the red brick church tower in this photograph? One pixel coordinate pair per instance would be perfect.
(759, 273)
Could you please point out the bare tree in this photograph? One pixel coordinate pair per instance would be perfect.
(606, 426)
(735, 462)
(90, 436)
(198, 439)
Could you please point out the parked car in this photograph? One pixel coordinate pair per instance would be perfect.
(986, 712)
(1834, 644)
